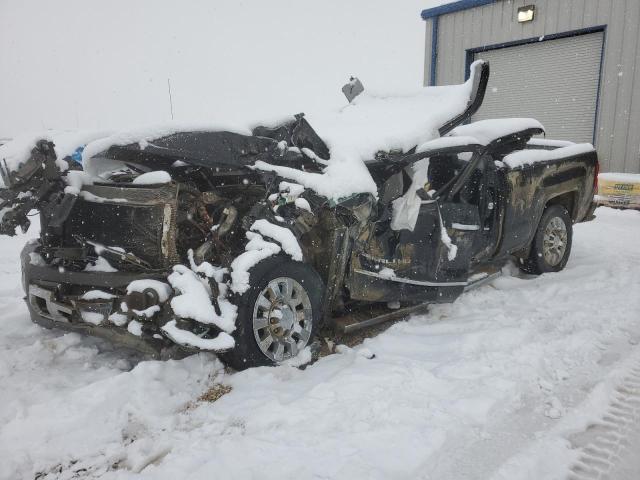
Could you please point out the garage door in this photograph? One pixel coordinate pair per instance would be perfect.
(554, 81)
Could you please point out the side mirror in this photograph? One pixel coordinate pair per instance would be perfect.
(352, 89)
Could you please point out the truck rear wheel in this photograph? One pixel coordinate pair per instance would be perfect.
(551, 245)
(278, 316)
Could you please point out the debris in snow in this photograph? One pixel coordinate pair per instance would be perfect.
(222, 341)
(282, 235)
(101, 264)
(152, 178)
(216, 391)
(529, 157)
(135, 327)
(256, 250)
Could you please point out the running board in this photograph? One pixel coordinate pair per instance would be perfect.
(368, 318)
(482, 281)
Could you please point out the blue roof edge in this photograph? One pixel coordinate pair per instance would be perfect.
(453, 7)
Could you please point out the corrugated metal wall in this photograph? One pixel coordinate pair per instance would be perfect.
(618, 122)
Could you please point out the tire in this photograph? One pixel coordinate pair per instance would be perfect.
(294, 333)
(551, 244)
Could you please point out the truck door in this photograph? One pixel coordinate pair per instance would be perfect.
(448, 227)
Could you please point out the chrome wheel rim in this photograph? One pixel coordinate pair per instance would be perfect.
(282, 319)
(554, 243)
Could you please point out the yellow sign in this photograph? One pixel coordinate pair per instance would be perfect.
(619, 190)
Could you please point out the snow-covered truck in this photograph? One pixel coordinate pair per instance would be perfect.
(246, 241)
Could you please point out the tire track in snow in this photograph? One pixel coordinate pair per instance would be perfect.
(607, 443)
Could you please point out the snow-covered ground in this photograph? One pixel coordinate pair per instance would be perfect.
(522, 378)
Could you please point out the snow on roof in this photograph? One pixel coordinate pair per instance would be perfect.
(531, 156)
(371, 124)
(486, 131)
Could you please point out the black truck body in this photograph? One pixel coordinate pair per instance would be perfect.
(475, 213)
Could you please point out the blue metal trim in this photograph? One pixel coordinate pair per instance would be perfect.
(453, 7)
(434, 51)
(470, 56)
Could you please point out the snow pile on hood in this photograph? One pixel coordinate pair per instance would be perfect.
(143, 136)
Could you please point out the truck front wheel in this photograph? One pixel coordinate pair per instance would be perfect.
(552, 242)
(278, 316)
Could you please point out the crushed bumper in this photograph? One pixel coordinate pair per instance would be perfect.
(49, 308)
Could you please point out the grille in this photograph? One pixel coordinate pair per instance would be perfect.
(139, 220)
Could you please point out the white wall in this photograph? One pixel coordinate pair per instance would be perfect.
(104, 64)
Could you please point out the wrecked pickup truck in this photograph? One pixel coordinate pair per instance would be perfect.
(246, 242)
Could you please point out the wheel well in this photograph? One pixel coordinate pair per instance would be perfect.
(567, 200)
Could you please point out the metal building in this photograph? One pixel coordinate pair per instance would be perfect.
(572, 64)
